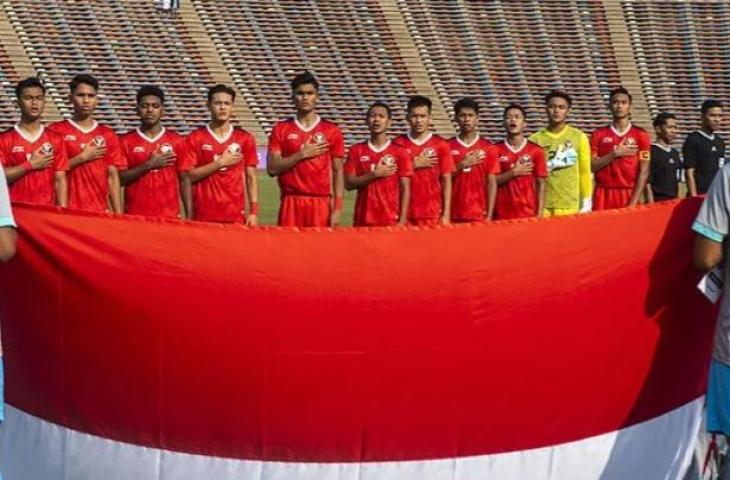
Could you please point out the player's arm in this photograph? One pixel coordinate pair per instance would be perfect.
(90, 152)
(252, 189)
(60, 185)
(649, 193)
(689, 156)
(712, 224)
(540, 184)
(644, 153)
(338, 190)
(446, 198)
(405, 200)
(518, 170)
(202, 172)
(353, 182)
(276, 164)
(156, 160)
(585, 176)
(8, 236)
(707, 253)
(37, 161)
(186, 194)
(491, 195)
(115, 189)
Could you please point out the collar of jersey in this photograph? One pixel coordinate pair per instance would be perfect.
(82, 129)
(709, 137)
(550, 134)
(422, 142)
(663, 147)
(515, 150)
(311, 127)
(222, 139)
(151, 139)
(381, 149)
(621, 134)
(26, 137)
(467, 145)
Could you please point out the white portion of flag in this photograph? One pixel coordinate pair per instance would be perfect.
(661, 448)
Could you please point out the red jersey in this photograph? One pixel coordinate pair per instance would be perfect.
(156, 193)
(623, 171)
(313, 175)
(220, 197)
(36, 186)
(88, 183)
(469, 189)
(518, 197)
(426, 193)
(378, 203)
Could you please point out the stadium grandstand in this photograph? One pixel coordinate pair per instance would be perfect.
(368, 50)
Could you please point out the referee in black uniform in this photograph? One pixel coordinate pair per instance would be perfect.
(704, 150)
(665, 169)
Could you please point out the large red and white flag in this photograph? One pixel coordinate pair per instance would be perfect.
(571, 348)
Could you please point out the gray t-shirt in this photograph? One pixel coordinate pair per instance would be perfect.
(6, 213)
(713, 222)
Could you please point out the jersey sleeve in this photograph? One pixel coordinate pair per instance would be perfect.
(713, 219)
(337, 143)
(4, 152)
(446, 160)
(538, 159)
(644, 152)
(585, 179)
(349, 167)
(689, 152)
(60, 157)
(405, 164)
(251, 156)
(181, 152)
(114, 155)
(275, 140)
(191, 152)
(6, 212)
(595, 140)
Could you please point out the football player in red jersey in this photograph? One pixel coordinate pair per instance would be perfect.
(432, 163)
(380, 171)
(34, 158)
(219, 157)
(155, 155)
(620, 156)
(306, 154)
(523, 170)
(93, 151)
(475, 181)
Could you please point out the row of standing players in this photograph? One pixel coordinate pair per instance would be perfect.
(416, 178)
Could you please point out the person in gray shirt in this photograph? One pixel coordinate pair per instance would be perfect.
(7, 222)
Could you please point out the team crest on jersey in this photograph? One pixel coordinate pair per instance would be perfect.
(47, 148)
(630, 141)
(319, 137)
(166, 148)
(430, 152)
(365, 158)
(69, 138)
(18, 148)
(208, 148)
(138, 150)
(388, 160)
(525, 159)
(234, 148)
(99, 141)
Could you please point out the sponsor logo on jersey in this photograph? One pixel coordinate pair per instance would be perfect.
(166, 148)
(138, 150)
(365, 158)
(607, 140)
(99, 141)
(208, 148)
(18, 148)
(69, 138)
(388, 160)
(504, 158)
(292, 136)
(319, 137)
(234, 148)
(47, 148)
(454, 152)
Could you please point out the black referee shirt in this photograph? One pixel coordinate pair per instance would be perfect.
(706, 154)
(664, 173)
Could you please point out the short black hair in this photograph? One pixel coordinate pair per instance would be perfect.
(661, 119)
(558, 94)
(29, 82)
(85, 79)
(418, 101)
(619, 90)
(220, 88)
(466, 102)
(379, 104)
(150, 90)
(708, 104)
(514, 106)
(304, 78)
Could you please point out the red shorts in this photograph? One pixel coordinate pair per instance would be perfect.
(304, 211)
(423, 222)
(605, 198)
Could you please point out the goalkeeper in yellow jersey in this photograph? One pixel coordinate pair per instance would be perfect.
(568, 154)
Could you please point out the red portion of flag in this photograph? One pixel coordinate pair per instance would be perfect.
(354, 345)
